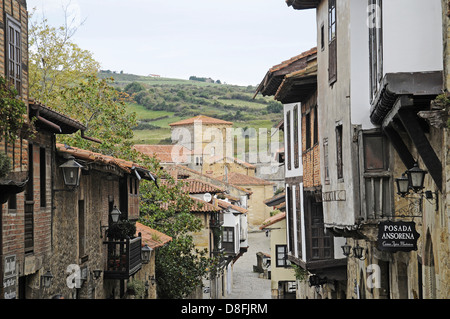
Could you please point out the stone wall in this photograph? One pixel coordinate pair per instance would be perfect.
(94, 196)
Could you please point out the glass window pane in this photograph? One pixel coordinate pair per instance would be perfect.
(374, 155)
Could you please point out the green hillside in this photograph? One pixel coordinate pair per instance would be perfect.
(159, 101)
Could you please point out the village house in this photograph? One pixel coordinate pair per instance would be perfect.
(282, 276)
(235, 194)
(222, 208)
(224, 231)
(26, 189)
(27, 212)
(260, 189)
(205, 137)
(216, 148)
(221, 165)
(406, 76)
(294, 83)
(94, 236)
(152, 240)
(375, 87)
(14, 17)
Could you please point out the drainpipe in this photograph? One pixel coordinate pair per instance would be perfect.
(47, 122)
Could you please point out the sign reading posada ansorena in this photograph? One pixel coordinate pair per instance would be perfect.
(397, 236)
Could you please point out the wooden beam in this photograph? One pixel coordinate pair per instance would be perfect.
(410, 122)
(401, 148)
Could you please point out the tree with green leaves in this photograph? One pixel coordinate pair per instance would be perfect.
(180, 266)
(55, 61)
(12, 112)
(274, 107)
(98, 106)
(64, 76)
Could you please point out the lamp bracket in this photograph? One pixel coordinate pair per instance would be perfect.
(101, 229)
(412, 209)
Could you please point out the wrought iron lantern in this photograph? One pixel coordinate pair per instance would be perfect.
(146, 252)
(416, 177)
(47, 279)
(71, 172)
(346, 249)
(358, 252)
(115, 214)
(402, 185)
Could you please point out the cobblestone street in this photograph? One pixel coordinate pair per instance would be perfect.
(246, 283)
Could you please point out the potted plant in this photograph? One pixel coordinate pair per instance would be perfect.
(122, 229)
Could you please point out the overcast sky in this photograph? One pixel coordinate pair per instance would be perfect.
(235, 41)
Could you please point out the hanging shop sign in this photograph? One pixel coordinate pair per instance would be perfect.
(397, 236)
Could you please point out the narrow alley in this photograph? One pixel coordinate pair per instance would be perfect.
(246, 283)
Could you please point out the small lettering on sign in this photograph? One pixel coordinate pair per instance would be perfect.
(397, 236)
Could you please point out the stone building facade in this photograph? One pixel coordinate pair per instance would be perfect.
(294, 83)
(391, 103)
(26, 191)
(82, 240)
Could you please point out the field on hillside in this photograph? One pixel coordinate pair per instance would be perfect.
(159, 101)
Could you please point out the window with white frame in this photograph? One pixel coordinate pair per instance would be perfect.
(14, 53)
(332, 46)
(375, 45)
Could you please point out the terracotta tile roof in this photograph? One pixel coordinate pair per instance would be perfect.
(198, 206)
(180, 169)
(241, 179)
(293, 59)
(225, 204)
(272, 220)
(95, 157)
(165, 153)
(227, 159)
(204, 119)
(298, 85)
(203, 207)
(124, 165)
(274, 77)
(196, 186)
(152, 237)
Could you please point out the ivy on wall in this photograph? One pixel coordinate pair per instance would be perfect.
(12, 111)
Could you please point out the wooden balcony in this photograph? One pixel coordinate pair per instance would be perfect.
(124, 258)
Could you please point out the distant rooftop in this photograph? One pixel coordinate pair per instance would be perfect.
(201, 118)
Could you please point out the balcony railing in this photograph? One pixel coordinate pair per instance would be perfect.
(124, 258)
